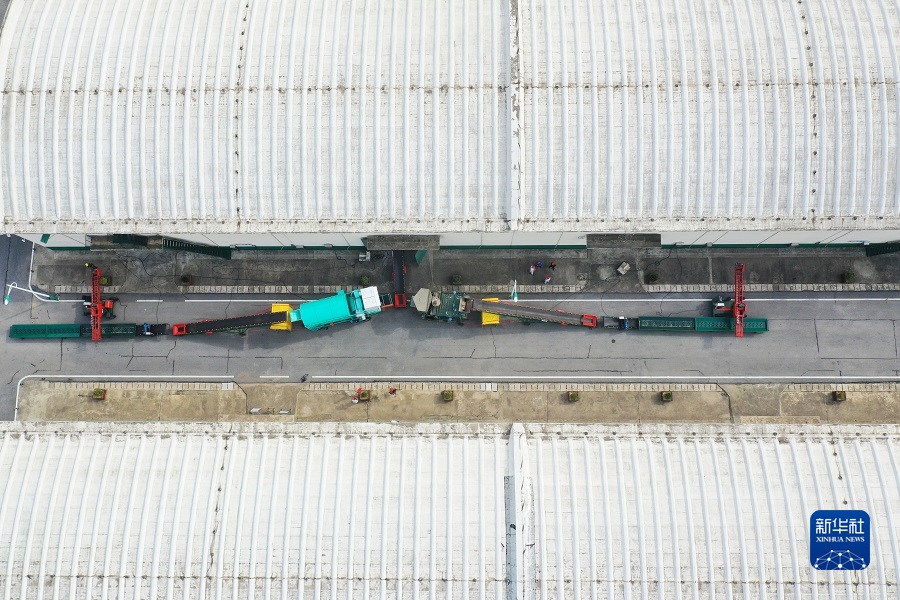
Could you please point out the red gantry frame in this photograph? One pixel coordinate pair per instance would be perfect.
(740, 307)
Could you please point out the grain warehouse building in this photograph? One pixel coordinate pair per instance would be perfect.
(273, 123)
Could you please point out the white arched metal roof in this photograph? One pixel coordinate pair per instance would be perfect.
(450, 511)
(226, 116)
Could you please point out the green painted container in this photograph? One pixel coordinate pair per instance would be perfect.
(45, 331)
(666, 323)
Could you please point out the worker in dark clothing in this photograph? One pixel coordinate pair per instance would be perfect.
(553, 266)
(392, 391)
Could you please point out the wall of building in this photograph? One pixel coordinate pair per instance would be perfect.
(512, 239)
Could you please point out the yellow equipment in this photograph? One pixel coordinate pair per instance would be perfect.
(286, 325)
(490, 318)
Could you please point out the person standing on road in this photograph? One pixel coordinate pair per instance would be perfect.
(532, 269)
(547, 280)
(540, 264)
(553, 266)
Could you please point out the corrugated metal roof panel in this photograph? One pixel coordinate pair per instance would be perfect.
(150, 115)
(163, 514)
(280, 116)
(667, 515)
(175, 511)
(730, 110)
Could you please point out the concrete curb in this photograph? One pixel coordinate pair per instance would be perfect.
(847, 387)
(438, 386)
(505, 289)
(222, 289)
(327, 289)
(518, 387)
(726, 288)
(140, 385)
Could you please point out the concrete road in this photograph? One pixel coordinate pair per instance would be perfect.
(850, 337)
(15, 256)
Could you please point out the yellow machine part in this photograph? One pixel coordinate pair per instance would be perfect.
(286, 326)
(490, 318)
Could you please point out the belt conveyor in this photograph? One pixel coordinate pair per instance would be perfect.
(531, 313)
(245, 322)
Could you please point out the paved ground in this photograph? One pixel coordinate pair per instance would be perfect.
(157, 272)
(15, 256)
(473, 402)
(660, 269)
(838, 337)
(849, 338)
(594, 270)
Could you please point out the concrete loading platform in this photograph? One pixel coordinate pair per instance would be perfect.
(472, 402)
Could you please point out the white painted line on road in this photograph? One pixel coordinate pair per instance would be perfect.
(148, 300)
(605, 300)
(279, 301)
(626, 378)
(752, 299)
(653, 300)
(274, 376)
(526, 301)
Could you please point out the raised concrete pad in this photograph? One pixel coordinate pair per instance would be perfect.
(311, 271)
(478, 402)
(623, 240)
(403, 242)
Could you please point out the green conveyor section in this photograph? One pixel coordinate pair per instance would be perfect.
(71, 330)
(701, 324)
(666, 323)
(52, 330)
(751, 325)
